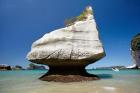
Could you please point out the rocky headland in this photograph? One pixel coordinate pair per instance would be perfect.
(35, 67)
(5, 67)
(135, 52)
(68, 50)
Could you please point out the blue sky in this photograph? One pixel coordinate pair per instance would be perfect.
(24, 21)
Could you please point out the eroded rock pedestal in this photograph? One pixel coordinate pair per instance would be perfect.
(68, 74)
(68, 50)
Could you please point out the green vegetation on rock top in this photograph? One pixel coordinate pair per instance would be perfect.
(81, 17)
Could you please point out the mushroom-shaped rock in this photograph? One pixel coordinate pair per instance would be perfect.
(68, 50)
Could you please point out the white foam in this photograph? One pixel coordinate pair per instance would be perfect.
(109, 88)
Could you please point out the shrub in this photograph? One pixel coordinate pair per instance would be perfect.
(81, 17)
(70, 21)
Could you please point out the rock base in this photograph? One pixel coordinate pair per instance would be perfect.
(68, 74)
(68, 78)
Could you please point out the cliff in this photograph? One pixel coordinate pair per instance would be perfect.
(135, 51)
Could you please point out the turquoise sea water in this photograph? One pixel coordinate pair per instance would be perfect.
(124, 81)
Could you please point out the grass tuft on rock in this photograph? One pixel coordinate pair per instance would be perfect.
(81, 17)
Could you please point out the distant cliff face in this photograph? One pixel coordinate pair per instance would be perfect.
(78, 43)
(135, 45)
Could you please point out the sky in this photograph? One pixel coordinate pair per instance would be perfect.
(24, 21)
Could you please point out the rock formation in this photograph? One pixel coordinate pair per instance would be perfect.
(5, 67)
(17, 67)
(36, 67)
(135, 51)
(68, 50)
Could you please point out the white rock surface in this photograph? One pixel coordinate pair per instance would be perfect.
(76, 42)
(136, 57)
